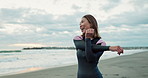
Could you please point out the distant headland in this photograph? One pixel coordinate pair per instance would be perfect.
(32, 48)
(56, 48)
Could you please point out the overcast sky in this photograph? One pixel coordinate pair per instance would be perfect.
(36, 23)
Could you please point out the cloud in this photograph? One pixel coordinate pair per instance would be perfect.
(24, 15)
(20, 29)
(37, 17)
(11, 15)
(111, 4)
(52, 6)
(131, 15)
(125, 35)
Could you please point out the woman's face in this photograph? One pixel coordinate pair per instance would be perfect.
(84, 25)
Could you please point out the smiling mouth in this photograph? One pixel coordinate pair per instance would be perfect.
(82, 29)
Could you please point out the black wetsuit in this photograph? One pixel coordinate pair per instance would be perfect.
(88, 54)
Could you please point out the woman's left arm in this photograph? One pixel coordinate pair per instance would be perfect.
(90, 56)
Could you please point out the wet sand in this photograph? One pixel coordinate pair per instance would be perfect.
(128, 66)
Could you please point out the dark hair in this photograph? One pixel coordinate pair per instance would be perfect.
(93, 23)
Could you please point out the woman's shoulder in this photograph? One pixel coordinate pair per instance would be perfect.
(78, 38)
(102, 42)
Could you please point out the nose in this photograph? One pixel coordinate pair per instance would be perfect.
(81, 25)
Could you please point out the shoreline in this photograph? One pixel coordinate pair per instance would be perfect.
(127, 66)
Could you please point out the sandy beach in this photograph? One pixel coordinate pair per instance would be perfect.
(128, 66)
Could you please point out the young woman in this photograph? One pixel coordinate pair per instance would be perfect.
(90, 47)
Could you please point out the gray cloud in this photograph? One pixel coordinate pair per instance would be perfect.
(111, 4)
(131, 18)
(131, 36)
(12, 16)
(139, 3)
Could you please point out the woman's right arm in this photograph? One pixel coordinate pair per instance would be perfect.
(80, 44)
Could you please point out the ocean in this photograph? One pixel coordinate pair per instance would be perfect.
(15, 62)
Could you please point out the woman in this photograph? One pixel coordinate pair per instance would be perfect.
(90, 47)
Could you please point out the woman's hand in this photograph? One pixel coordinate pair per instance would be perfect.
(89, 33)
(116, 48)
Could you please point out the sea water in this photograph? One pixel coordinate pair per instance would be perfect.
(19, 61)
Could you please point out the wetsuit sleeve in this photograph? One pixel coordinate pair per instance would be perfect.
(90, 56)
(80, 44)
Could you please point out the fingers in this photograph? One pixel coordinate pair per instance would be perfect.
(119, 50)
(90, 31)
